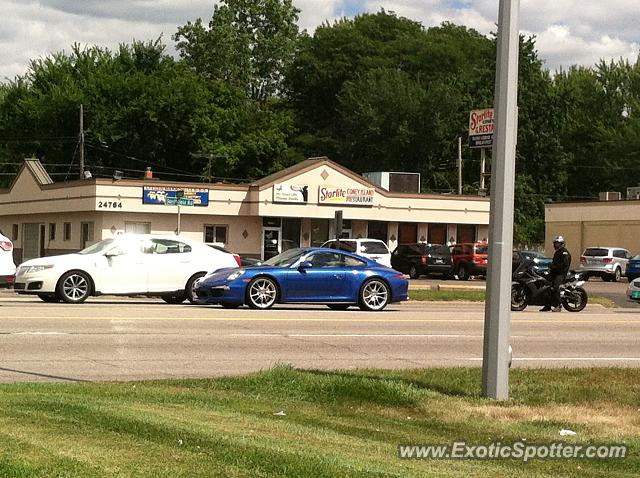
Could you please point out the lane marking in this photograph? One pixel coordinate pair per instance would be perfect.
(38, 333)
(365, 335)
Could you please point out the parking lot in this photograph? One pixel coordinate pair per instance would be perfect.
(112, 338)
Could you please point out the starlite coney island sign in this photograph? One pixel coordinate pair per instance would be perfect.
(346, 196)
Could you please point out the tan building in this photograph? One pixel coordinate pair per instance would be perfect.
(597, 223)
(294, 207)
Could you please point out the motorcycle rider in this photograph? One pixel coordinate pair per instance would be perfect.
(557, 273)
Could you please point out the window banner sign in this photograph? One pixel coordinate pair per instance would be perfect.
(290, 193)
(170, 196)
(481, 128)
(348, 196)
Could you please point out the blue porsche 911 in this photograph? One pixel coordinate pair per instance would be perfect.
(311, 275)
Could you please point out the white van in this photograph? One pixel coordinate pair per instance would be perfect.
(373, 249)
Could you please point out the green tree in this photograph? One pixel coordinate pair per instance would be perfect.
(248, 43)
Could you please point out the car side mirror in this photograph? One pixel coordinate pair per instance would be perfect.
(304, 265)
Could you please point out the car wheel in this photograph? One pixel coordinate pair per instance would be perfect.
(616, 275)
(262, 293)
(74, 287)
(49, 298)
(463, 272)
(189, 290)
(414, 273)
(177, 298)
(338, 306)
(374, 295)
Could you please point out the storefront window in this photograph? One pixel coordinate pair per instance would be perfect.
(137, 227)
(215, 234)
(290, 233)
(378, 230)
(319, 232)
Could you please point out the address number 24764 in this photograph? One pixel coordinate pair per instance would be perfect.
(110, 204)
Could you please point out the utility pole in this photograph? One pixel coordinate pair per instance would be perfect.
(497, 313)
(459, 165)
(81, 142)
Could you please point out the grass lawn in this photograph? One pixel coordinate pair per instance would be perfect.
(479, 295)
(335, 424)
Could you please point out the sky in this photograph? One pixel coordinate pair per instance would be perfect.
(568, 32)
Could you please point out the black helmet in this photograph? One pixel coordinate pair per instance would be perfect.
(559, 240)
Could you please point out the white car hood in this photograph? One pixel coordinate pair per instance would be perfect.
(61, 260)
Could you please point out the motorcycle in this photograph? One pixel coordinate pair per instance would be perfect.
(531, 287)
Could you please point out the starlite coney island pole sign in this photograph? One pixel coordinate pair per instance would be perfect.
(346, 196)
(481, 128)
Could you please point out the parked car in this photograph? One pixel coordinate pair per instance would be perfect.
(633, 290)
(541, 263)
(373, 249)
(7, 266)
(241, 260)
(609, 263)
(470, 259)
(633, 268)
(422, 259)
(152, 265)
(306, 275)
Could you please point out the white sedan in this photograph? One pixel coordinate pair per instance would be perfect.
(151, 265)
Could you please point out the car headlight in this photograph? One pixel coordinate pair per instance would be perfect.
(32, 269)
(234, 275)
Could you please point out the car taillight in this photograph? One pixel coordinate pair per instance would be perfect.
(607, 260)
(423, 259)
(583, 260)
(6, 246)
(237, 258)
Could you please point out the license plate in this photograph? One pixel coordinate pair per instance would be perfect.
(439, 261)
(635, 294)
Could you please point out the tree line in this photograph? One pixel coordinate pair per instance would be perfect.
(250, 94)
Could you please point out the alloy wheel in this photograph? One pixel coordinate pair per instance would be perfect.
(262, 293)
(374, 295)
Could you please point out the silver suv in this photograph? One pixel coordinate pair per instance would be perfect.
(607, 262)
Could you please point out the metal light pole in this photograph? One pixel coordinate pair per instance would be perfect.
(497, 321)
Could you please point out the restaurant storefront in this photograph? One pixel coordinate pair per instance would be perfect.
(292, 208)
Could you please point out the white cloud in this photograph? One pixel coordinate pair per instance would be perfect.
(568, 31)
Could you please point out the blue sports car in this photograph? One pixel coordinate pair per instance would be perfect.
(317, 275)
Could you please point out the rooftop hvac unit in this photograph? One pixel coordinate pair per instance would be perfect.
(394, 181)
(610, 196)
(633, 193)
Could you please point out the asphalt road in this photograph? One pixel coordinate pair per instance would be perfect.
(128, 339)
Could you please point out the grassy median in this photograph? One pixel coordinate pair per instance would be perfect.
(292, 423)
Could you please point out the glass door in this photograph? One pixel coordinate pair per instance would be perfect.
(270, 242)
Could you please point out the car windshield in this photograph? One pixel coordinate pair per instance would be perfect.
(373, 247)
(285, 259)
(98, 247)
(636, 258)
(596, 251)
